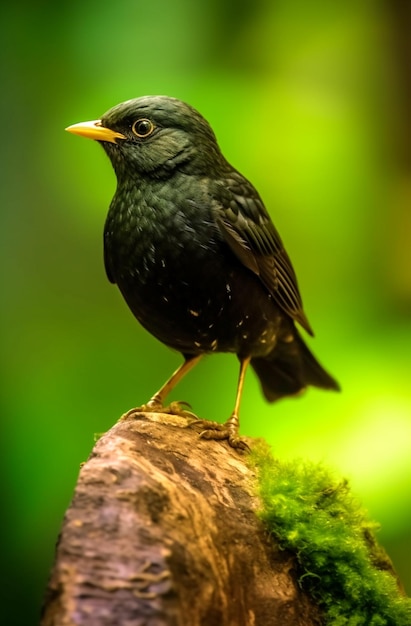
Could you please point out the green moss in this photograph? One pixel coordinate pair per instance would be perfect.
(341, 564)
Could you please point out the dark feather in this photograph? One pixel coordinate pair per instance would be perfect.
(247, 228)
(107, 257)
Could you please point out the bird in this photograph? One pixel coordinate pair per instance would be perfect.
(196, 256)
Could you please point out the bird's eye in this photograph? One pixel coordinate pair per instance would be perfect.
(143, 127)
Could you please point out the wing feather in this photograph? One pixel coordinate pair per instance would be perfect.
(247, 228)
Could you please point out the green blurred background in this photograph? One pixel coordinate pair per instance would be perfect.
(310, 100)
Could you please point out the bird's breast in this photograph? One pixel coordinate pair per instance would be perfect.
(181, 280)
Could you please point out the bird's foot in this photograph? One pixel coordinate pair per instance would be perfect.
(155, 406)
(228, 430)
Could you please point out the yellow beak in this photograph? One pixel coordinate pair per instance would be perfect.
(94, 130)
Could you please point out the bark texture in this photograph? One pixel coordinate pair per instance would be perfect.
(162, 531)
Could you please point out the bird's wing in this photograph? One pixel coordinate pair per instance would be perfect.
(247, 228)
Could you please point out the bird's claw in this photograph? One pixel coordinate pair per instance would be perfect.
(177, 408)
(219, 432)
(153, 406)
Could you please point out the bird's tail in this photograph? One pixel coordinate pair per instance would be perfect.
(289, 369)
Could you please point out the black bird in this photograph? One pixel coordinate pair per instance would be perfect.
(196, 256)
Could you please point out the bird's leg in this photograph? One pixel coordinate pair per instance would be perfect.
(156, 402)
(229, 430)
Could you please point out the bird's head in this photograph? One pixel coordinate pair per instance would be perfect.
(154, 136)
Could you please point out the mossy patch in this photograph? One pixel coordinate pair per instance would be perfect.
(340, 562)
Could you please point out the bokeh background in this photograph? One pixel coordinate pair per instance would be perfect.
(311, 100)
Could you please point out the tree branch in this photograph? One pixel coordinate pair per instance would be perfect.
(162, 531)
